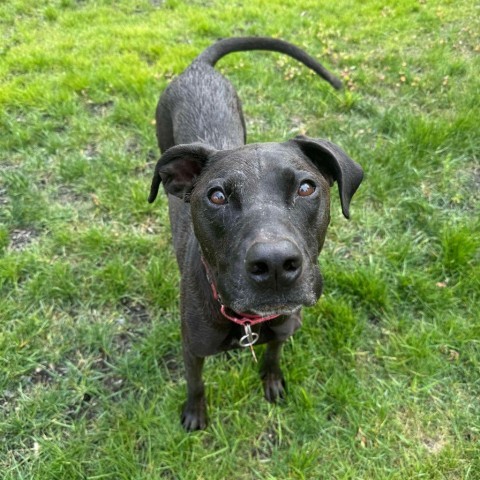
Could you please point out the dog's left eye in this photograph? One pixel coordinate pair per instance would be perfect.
(306, 189)
(217, 197)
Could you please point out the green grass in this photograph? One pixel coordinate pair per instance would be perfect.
(384, 376)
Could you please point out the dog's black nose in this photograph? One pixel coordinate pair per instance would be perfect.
(276, 264)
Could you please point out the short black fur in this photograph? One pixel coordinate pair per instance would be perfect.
(261, 245)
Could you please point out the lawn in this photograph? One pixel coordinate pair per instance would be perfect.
(384, 376)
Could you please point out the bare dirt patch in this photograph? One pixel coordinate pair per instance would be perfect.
(136, 312)
(21, 238)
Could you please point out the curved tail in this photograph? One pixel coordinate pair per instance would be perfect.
(239, 44)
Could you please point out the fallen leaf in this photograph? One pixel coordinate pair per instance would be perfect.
(361, 437)
(95, 200)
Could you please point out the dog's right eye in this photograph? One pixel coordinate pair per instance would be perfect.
(217, 197)
(306, 189)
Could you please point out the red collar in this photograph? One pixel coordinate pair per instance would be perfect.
(240, 318)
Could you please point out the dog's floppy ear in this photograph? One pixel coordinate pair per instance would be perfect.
(335, 164)
(178, 168)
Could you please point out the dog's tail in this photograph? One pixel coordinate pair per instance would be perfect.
(239, 44)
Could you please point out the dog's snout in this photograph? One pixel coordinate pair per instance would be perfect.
(275, 264)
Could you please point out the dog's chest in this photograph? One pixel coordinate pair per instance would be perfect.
(232, 340)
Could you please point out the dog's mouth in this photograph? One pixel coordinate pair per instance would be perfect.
(241, 304)
(262, 311)
(269, 306)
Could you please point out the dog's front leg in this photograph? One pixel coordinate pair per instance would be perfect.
(274, 385)
(194, 413)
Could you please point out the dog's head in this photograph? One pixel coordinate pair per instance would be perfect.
(260, 213)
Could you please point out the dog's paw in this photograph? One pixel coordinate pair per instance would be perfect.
(194, 415)
(274, 386)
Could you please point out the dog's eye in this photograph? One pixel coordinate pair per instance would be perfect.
(306, 189)
(217, 197)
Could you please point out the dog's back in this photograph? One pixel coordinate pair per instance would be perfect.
(202, 106)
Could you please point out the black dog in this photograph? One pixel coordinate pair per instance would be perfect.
(248, 221)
